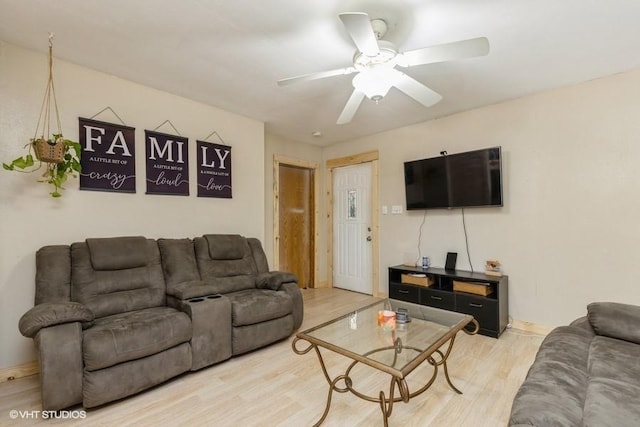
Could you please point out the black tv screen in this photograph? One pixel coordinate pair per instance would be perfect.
(462, 180)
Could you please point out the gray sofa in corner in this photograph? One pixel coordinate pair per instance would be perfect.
(115, 316)
(585, 374)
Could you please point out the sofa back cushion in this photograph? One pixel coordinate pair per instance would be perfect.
(226, 261)
(116, 275)
(53, 274)
(615, 320)
(178, 261)
(259, 257)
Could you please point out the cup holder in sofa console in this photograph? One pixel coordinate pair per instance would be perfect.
(213, 296)
(196, 300)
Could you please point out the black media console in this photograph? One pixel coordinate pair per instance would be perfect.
(491, 311)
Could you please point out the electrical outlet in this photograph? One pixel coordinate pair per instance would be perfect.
(385, 210)
(396, 209)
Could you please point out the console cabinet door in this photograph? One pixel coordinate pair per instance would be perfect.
(484, 310)
(437, 298)
(404, 292)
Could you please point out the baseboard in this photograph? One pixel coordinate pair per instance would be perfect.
(20, 371)
(322, 284)
(531, 327)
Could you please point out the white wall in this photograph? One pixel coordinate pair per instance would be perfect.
(568, 233)
(566, 236)
(30, 218)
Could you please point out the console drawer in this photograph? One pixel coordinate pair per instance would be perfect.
(404, 292)
(437, 298)
(484, 310)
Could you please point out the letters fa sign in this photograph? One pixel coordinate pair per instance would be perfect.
(108, 156)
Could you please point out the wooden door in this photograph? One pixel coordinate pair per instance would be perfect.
(296, 225)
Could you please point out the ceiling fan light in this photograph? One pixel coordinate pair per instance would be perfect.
(375, 82)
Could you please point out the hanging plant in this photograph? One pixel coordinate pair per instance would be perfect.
(59, 156)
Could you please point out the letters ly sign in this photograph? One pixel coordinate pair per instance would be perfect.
(167, 163)
(108, 156)
(214, 170)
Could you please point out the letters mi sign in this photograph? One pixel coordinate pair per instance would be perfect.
(214, 170)
(167, 161)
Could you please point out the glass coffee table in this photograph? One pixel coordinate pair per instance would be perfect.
(396, 348)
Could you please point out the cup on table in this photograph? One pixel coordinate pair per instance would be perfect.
(387, 319)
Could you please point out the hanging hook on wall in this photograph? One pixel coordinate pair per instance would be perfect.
(216, 134)
(170, 124)
(110, 109)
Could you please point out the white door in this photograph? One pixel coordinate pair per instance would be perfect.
(352, 253)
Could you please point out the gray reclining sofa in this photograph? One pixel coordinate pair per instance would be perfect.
(115, 316)
(585, 374)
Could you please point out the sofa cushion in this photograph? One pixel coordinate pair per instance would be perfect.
(117, 253)
(178, 261)
(229, 274)
(612, 403)
(128, 336)
(258, 305)
(614, 359)
(554, 390)
(108, 292)
(615, 320)
(226, 246)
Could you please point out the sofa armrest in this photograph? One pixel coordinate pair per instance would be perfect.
(51, 314)
(274, 279)
(615, 320)
(191, 289)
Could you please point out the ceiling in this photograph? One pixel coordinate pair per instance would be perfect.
(230, 53)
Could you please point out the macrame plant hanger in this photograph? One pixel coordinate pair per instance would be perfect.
(49, 147)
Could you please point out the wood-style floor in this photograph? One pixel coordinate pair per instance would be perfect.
(275, 387)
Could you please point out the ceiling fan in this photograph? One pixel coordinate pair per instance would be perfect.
(376, 59)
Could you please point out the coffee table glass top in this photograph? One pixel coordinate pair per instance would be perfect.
(397, 350)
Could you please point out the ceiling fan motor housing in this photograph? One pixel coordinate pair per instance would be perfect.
(385, 57)
(379, 27)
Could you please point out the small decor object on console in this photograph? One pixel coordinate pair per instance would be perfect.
(450, 263)
(493, 267)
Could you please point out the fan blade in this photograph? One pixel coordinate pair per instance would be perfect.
(350, 109)
(358, 25)
(445, 52)
(417, 91)
(316, 76)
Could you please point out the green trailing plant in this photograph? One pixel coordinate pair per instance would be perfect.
(56, 173)
(59, 156)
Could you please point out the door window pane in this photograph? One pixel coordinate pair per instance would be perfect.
(352, 202)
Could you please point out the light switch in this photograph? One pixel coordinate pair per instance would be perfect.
(396, 209)
(385, 210)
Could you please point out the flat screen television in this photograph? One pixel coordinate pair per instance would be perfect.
(462, 180)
